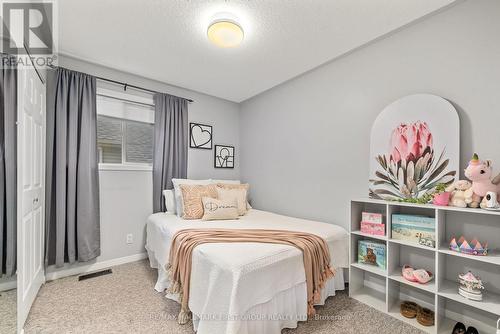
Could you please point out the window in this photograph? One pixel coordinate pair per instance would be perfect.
(109, 140)
(124, 130)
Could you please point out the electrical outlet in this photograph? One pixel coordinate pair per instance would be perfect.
(130, 238)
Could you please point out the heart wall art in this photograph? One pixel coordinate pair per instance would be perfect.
(224, 156)
(200, 136)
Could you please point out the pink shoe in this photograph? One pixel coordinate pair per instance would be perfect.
(407, 272)
(423, 276)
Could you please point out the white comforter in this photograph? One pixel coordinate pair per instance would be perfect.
(228, 279)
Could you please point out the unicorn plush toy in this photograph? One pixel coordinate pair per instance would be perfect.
(479, 172)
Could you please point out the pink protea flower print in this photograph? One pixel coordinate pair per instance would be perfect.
(409, 141)
(410, 170)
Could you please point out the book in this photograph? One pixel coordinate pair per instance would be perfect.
(415, 229)
(372, 253)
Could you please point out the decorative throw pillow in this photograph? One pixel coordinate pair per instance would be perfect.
(216, 209)
(237, 194)
(191, 198)
(178, 194)
(245, 186)
(169, 200)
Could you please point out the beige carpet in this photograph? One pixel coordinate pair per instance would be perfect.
(8, 307)
(125, 302)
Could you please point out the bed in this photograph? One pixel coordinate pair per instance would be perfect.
(245, 288)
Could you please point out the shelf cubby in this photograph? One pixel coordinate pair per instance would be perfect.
(367, 287)
(448, 283)
(450, 312)
(354, 253)
(441, 294)
(408, 210)
(401, 255)
(467, 223)
(357, 207)
(398, 292)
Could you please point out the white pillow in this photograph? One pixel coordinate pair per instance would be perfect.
(179, 204)
(216, 209)
(170, 200)
(225, 181)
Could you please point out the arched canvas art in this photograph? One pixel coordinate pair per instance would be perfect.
(415, 145)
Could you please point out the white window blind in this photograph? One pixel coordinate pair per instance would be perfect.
(138, 142)
(109, 140)
(124, 131)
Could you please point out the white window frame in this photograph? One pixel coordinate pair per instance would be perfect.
(130, 98)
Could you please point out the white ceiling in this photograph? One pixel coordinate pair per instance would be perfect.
(166, 39)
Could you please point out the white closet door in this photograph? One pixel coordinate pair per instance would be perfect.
(31, 190)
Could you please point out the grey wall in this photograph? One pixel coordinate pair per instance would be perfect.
(305, 143)
(126, 196)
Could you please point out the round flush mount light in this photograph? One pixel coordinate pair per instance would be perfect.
(225, 32)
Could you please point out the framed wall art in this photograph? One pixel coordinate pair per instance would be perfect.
(224, 156)
(200, 136)
(414, 147)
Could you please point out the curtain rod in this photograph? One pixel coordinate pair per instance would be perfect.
(33, 63)
(126, 85)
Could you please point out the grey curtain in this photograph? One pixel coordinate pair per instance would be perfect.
(8, 159)
(72, 180)
(170, 145)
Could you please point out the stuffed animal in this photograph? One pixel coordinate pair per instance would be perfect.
(479, 172)
(462, 194)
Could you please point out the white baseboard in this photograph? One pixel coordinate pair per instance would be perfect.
(8, 285)
(82, 269)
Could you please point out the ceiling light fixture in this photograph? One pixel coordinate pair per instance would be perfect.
(224, 31)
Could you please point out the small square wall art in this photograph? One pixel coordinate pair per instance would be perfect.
(224, 156)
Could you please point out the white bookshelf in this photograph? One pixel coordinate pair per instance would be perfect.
(385, 289)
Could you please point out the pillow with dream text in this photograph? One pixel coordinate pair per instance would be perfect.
(217, 209)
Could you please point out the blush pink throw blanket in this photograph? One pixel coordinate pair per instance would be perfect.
(314, 249)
